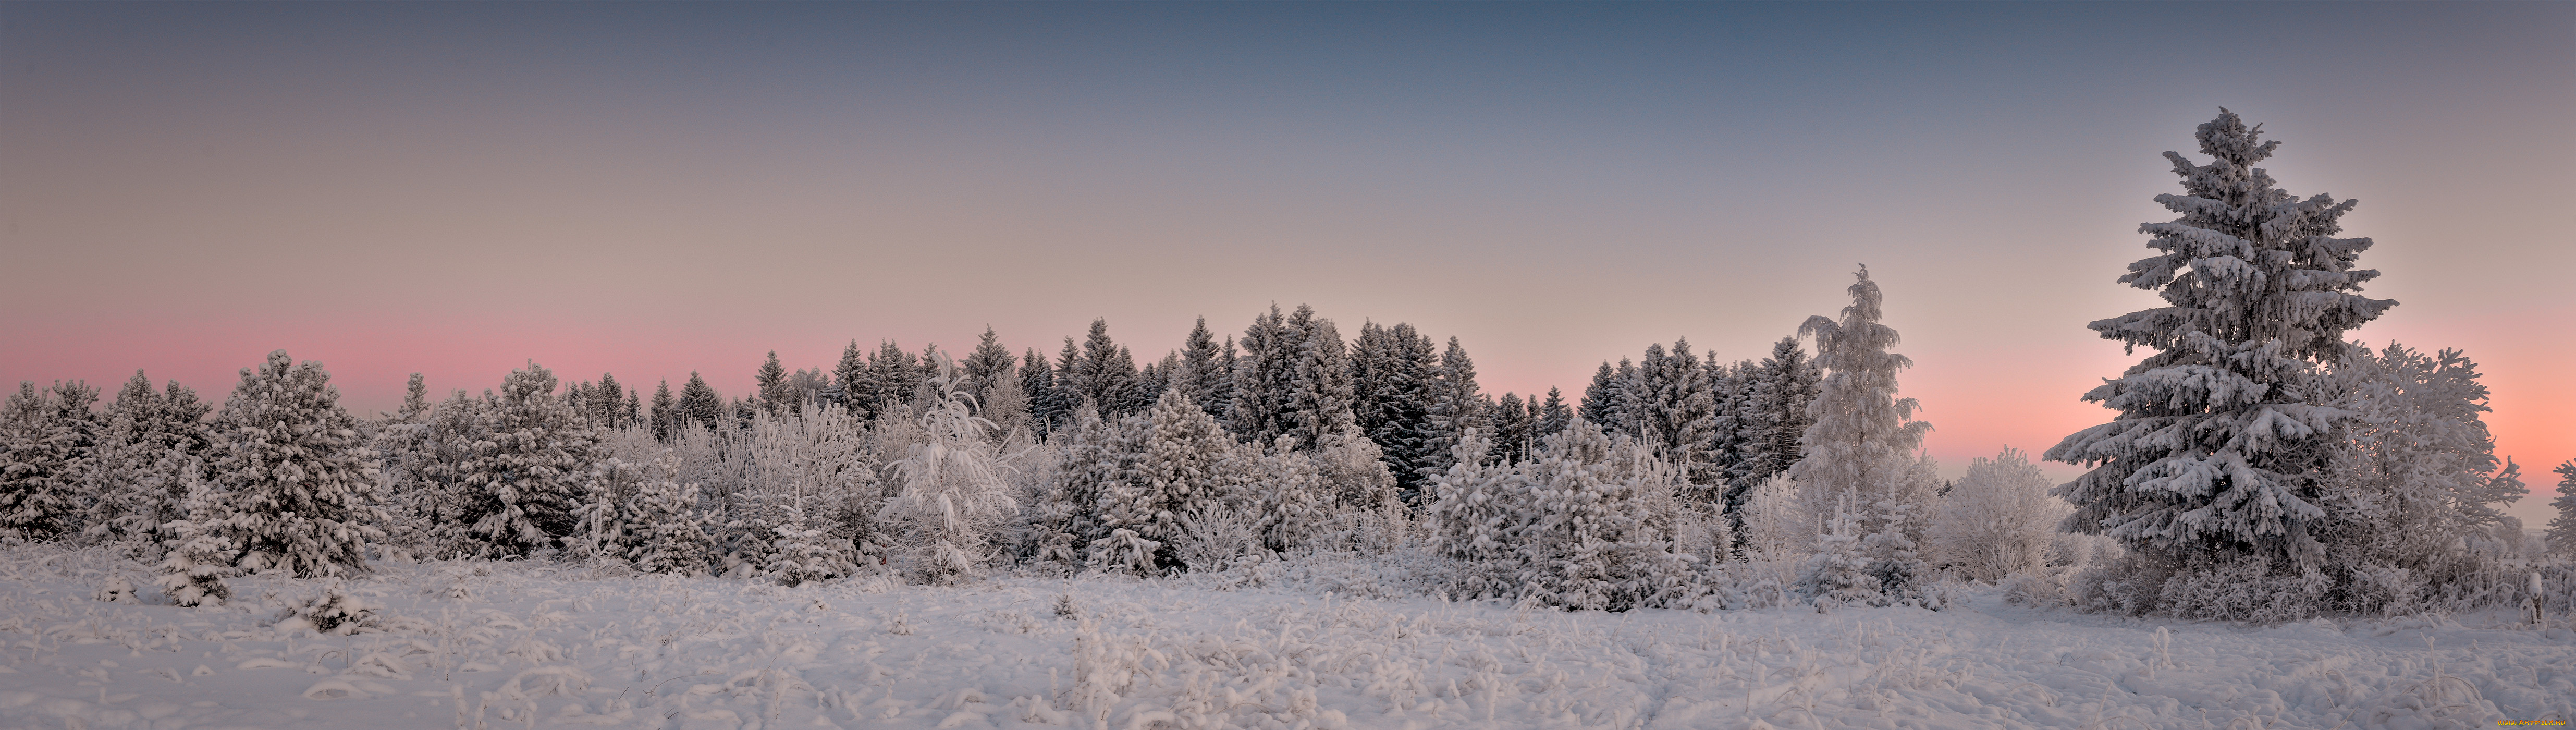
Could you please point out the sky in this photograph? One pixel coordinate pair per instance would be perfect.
(652, 189)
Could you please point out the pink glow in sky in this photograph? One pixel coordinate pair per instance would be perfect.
(654, 189)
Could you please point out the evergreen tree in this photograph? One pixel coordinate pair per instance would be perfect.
(532, 466)
(1514, 427)
(1263, 380)
(1105, 374)
(47, 443)
(1203, 371)
(670, 531)
(1066, 391)
(145, 456)
(606, 407)
(1554, 416)
(1037, 384)
(699, 404)
(1602, 399)
(1777, 410)
(289, 482)
(896, 375)
(415, 398)
(1186, 467)
(1456, 406)
(1320, 388)
(666, 411)
(852, 385)
(772, 382)
(1393, 369)
(2223, 437)
(987, 366)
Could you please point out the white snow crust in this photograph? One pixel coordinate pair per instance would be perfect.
(534, 644)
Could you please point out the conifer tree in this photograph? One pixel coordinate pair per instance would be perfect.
(531, 470)
(1263, 380)
(1393, 369)
(46, 446)
(1601, 399)
(987, 366)
(896, 375)
(145, 454)
(852, 385)
(1514, 427)
(1320, 388)
(1037, 383)
(606, 407)
(2223, 438)
(699, 404)
(289, 480)
(666, 411)
(1186, 466)
(772, 382)
(1456, 405)
(1554, 416)
(1105, 373)
(1203, 371)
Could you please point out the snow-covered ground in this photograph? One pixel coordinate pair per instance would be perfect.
(508, 645)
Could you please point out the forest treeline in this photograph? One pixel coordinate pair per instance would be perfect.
(2262, 466)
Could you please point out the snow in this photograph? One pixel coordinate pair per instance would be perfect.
(539, 644)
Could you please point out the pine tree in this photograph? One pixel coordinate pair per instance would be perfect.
(47, 442)
(533, 466)
(144, 456)
(1037, 383)
(987, 366)
(1065, 392)
(606, 407)
(1456, 405)
(1554, 416)
(1601, 399)
(666, 411)
(2223, 436)
(700, 405)
(1514, 426)
(1392, 373)
(1476, 511)
(1203, 371)
(1104, 373)
(772, 381)
(896, 375)
(1262, 380)
(1838, 575)
(852, 385)
(670, 532)
(1779, 397)
(1186, 467)
(1320, 388)
(290, 477)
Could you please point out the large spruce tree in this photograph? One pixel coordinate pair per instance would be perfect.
(2224, 432)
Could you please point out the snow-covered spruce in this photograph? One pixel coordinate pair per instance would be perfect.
(2218, 463)
(1860, 452)
(286, 490)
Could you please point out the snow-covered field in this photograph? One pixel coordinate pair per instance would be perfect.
(508, 645)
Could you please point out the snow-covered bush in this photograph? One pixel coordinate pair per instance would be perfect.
(1998, 520)
(331, 610)
(953, 498)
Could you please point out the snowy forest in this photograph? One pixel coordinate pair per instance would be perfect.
(2260, 464)
(2261, 467)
